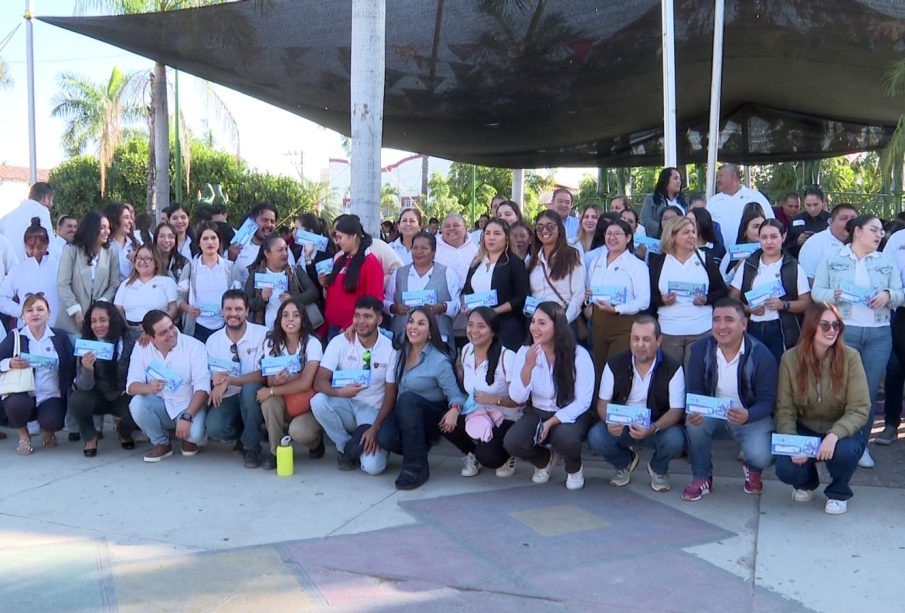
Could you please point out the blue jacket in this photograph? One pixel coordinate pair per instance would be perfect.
(758, 375)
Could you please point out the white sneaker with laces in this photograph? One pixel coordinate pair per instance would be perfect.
(802, 495)
(866, 461)
(542, 475)
(507, 469)
(471, 466)
(836, 507)
(575, 481)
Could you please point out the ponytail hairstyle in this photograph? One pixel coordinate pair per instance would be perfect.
(349, 224)
(496, 347)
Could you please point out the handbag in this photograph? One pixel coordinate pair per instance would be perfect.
(315, 318)
(297, 404)
(17, 380)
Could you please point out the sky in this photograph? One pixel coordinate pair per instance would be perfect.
(271, 140)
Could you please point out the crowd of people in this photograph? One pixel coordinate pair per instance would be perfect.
(521, 340)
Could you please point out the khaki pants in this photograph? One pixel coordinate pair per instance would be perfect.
(303, 429)
(610, 336)
(678, 346)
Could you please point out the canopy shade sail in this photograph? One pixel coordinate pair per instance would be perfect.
(541, 83)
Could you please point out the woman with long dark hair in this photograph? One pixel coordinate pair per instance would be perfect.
(587, 226)
(121, 239)
(752, 217)
(263, 303)
(667, 192)
(147, 288)
(356, 273)
(822, 393)
(555, 270)
(174, 263)
(179, 219)
(557, 376)
(708, 239)
(409, 227)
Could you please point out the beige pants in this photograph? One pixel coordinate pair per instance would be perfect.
(303, 429)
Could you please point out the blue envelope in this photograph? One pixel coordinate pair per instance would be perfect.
(303, 237)
(209, 309)
(855, 294)
(277, 281)
(40, 361)
(101, 350)
(473, 301)
(224, 365)
(156, 370)
(793, 445)
(627, 415)
(611, 294)
(686, 289)
(342, 378)
(274, 365)
(742, 250)
(324, 267)
(708, 406)
(245, 232)
(530, 305)
(757, 296)
(652, 244)
(416, 299)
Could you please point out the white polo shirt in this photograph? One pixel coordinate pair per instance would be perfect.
(344, 355)
(207, 287)
(250, 350)
(815, 249)
(542, 389)
(767, 274)
(641, 387)
(188, 359)
(474, 378)
(727, 376)
(47, 380)
(625, 271)
(727, 210)
(313, 351)
(684, 317)
(30, 277)
(139, 297)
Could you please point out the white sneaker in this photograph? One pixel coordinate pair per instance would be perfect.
(471, 466)
(507, 469)
(866, 461)
(542, 475)
(802, 495)
(836, 507)
(575, 481)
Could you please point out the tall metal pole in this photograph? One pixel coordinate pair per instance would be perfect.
(716, 88)
(669, 84)
(177, 141)
(367, 86)
(473, 196)
(518, 186)
(30, 69)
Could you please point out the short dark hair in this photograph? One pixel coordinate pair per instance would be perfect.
(40, 190)
(369, 302)
(234, 294)
(260, 208)
(842, 206)
(731, 303)
(151, 319)
(644, 320)
(433, 220)
(562, 190)
(430, 238)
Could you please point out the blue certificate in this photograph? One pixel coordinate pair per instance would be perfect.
(342, 378)
(416, 299)
(324, 267)
(101, 350)
(627, 415)
(274, 365)
(157, 371)
(277, 281)
(757, 296)
(610, 294)
(708, 406)
(530, 305)
(224, 365)
(855, 294)
(40, 361)
(652, 244)
(473, 301)
(742, 250)
(209, 309)
(303, 237)
(793, 445)
(686, 289)
(245, 232)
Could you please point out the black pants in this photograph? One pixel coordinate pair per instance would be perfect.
(84, 405)
(21, 408)
(410, 428)
(491, 454)
(201, 333)
(565, 439)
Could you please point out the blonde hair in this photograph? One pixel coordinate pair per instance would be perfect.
(668, 235)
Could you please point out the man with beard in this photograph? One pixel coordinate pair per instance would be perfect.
(265, 215)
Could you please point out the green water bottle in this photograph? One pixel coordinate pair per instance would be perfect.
(284, 458)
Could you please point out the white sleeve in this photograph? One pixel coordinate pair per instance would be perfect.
(576, 286)
(169, 288)
(584, 388)
(136, 367)
(201, 374)
(507, 358)
(518, 391)
(809, 258)
(389, 293)
(455, 292)
(607, 382)
(803, 286)
(331, 355)
(313, 350)
(641, 289)
(7, 291)
(677, 390)
(118, 298)
(391, 367)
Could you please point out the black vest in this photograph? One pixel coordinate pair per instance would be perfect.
(658, 392)
(788, 275)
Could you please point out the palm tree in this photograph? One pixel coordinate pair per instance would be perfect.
(95, 112)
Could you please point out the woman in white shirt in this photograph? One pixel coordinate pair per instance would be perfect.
(775, 321)
(612, 316)
(174, 263)
(121, 240)
(179, 219)
(555, 270)
(587, 226)
(486, 371)
(557, 376)
(409, 226)
(287, 395)
(36, 274)
(146, 289)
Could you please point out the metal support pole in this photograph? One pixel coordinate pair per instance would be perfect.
(518, 186)
(30, 70)
(669, 84)
(178, 142)
(473, 195)
(716, 88)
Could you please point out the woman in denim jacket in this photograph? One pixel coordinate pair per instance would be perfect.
(864, 284)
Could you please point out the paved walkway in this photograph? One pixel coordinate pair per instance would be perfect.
(200, 534)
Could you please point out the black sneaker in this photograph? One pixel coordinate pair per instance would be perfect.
(318, 452)
(346, 463)
(269, 462)
(252, 458)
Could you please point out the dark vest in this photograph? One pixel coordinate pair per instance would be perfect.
(788, 275)
(657, 394)
(437, 281)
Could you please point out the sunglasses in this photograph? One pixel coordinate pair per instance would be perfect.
(366, 357)
(234, 349)
(826, 326)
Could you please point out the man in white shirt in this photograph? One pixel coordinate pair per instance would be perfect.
(234, 357)
(14, 223)
(169, 383)
(727, 206)
(561, 204)
(66, 227)
(265, 215)
(828, 241)
(455, 250)
(352, 413)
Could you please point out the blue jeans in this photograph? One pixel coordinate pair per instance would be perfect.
(238, 417)
(668, 445)
(150, 414)
(841, 467)
(874, 345)
(753, 436)
(770, 334)
(417, 421)
(339, 417)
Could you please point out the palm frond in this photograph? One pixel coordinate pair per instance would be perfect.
(895, 78)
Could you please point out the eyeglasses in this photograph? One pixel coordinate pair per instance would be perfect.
(877, 231)
(234, 349)
(545, 227)
(826, 325)
(366, 357)
(144, 259)
(614, 234)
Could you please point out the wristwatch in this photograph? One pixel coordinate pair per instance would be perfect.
(785, 305)
(186, 416)
(656, 428)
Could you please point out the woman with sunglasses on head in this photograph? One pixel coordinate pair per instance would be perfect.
(822, 393)
(557, 377)
(774, 322)
(101, 382)
(864, 284)
(148, 288)
(555, 270)
(53, 374)
(37, 274)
